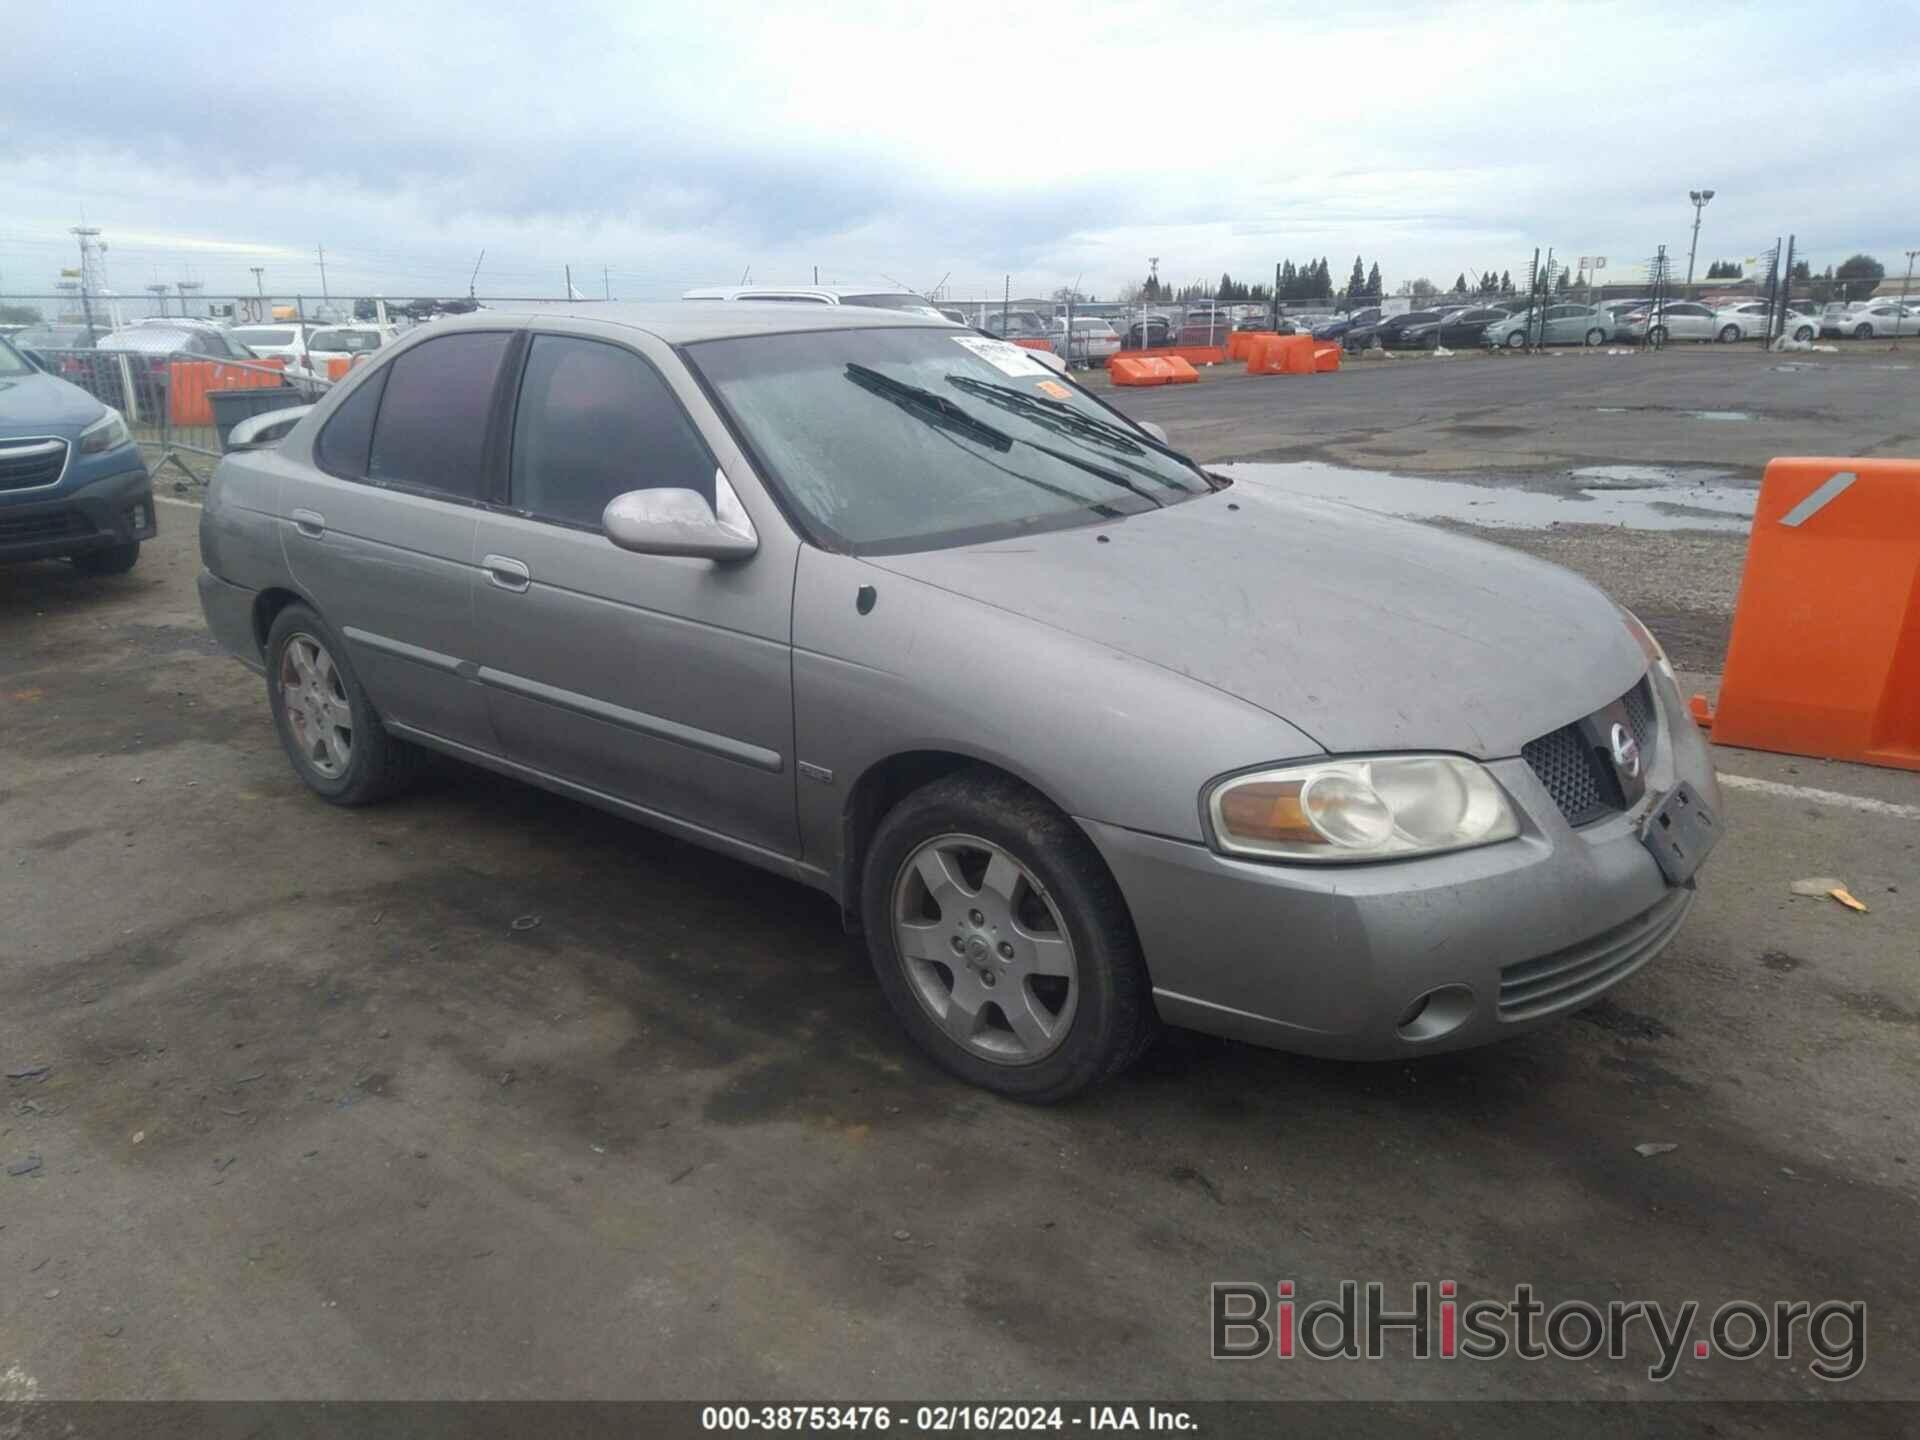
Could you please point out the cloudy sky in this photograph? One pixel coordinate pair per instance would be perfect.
(679, 145)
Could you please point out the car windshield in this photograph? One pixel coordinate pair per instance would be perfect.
(264, 337)
(344, 341)
(52, 337)
(912, 439)
(12, 363)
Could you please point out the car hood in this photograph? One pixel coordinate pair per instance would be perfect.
(40, 404)
(1364, 632)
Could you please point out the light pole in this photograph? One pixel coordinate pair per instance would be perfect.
(1901, 323)
(1700, 199)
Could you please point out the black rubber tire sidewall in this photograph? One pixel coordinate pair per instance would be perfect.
(379, 763)
(1113, 1019)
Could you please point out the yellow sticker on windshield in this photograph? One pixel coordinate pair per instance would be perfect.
(1054, 389)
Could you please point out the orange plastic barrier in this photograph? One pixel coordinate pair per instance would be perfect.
(1240, 343)
(1033, 342)
(1133, 370)
(1179, 372)
(188, 382)
(1192, 354)
(1281, 355)
(1326, 357)
(338, 365)
(1825, 657)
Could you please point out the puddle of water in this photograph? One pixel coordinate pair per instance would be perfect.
(1716, 414)
(1637, 497)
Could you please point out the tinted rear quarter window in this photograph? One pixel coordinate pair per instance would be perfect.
(432, 425)
(347, 435)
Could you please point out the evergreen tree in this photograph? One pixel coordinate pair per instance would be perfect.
(1357, 282)
(1460, 284)
(1506, 282)
(1374, 282)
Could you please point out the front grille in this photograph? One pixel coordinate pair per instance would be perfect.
(27, 463)
(1580, 777)
(1570, 977)
(1640, 714)
(1574, 774)
(48, 526)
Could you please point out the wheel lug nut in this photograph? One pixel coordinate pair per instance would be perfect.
(977, 918)
(956, 944)
(1006, 951)
(986, 977)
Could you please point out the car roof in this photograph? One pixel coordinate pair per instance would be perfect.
(825, 292)
(679, 323)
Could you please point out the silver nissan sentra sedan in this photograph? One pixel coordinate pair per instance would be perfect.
(1082, 738)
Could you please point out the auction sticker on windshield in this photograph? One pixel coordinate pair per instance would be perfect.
(1003, 355)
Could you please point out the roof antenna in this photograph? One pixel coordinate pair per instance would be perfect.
(746, 274)
(476, 273)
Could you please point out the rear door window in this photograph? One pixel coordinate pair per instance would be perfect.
(432, 426)
(594, 421)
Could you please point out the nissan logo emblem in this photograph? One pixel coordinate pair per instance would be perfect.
(1626, 751)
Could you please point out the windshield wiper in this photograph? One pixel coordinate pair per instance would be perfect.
(1063, 414)
(932, 406)
(937, 409)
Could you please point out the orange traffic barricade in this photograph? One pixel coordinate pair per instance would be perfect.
(1134, 370)
(1240, 343)
(1326, 357)
(338, 365)
(1281, 355)
(1825, 656)
(188, 382)
(1179, 372)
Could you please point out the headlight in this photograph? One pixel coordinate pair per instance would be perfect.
(109, 432)
(1361, 809)
(1650, 647)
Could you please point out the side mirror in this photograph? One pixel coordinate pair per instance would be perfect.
(680, 522)
(1158, 432)
(263, 432)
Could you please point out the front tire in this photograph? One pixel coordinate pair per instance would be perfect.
(1657, 336)
(327, 726)
(1516, 339)
(1001, 941)
(114, 560)
(1729, 334)
(1804, 334)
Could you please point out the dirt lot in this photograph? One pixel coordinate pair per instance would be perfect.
(482, 1093)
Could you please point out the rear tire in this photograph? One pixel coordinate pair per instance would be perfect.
(1657, 336)
(1863, 332)
(1595, 337)
(114, 560)
(1002, 853)
(333, 737)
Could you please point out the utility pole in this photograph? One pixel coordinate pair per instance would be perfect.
(569, 282)
(323, 272)
(1700, 199)
(1901, 323)
(259, 280)
(606, 283)
(159, 289)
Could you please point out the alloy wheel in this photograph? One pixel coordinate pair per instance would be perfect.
(984, 949)
(319, 715)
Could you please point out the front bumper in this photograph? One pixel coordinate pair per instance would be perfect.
(1330, 960)
(94, 515)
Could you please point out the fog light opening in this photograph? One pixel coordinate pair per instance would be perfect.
(1437, 1013)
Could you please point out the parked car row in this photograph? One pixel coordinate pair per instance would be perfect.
(1516, 324)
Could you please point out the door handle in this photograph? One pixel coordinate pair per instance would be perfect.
(507, 573)
(308, 522)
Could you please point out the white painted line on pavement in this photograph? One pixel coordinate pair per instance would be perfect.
(1862, 803)
(174, 500)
